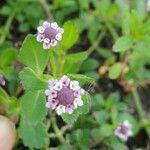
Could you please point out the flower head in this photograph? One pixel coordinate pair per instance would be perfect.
(64, 95)
(124, 131)
(2, 81)
(49, 34)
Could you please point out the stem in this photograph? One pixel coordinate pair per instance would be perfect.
(96, 43)
(46, 9)
(7, 26)
(52, 62)
(111, 30)
(62, 61)
(57, 131)
(138, 104)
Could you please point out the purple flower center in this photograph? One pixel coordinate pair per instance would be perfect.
(123, 129)
(65, 96)
(50, 33)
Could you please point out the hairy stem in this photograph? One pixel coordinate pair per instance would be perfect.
(57, 131)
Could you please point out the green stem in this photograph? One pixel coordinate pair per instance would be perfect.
(96, 43)
(138, 104)
(57, 131)
(53, 63)
(111, 30)
(7, 25)
(62, 62)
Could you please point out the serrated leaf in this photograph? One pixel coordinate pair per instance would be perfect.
(33, 106)
(82, 78)
(28, 76)
(33, 55)
(34, 136)
(70, 35)
(123, 43)
(115, 70)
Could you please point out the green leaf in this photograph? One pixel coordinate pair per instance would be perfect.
(106, 130)
(28, 76)
(73, 62)
(33, 55)
(115, 70)
(123, 43)
(7, 56)
(33, 106)
(34, 136)
(101, 116)
(89, 64)
(70, 118)
(82, 78)
(70, 35)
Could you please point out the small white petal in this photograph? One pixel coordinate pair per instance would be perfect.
(47, 92)
(40, 29)
(40, 37)
(54, 25)
(46, 24)
(46, 45)
(74, 85)
(46, 40)
(60, 109)
(58, 86)
(53, 42)
(58, 36)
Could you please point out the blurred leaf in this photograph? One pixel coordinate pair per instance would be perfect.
(70, 35)
(115, 70)
(89, 64)
(122, 44)
(101, 116)
(33, 55)
(73, 62)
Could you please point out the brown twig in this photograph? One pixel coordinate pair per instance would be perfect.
(46, 9)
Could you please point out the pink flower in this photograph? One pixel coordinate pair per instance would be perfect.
(64, 95)
(124, 131)
(49, 34)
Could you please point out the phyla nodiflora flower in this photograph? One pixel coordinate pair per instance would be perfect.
(64, 95)
(124, 131)
(49, 34)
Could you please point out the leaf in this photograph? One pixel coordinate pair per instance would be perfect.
(7, 57)
(101, 116)
(115, 70)
(28, 76)
(34, 136)
(33, 108)
(70, 35)
(82, 78)
(89, 64)
(33, 55)
(123, 43)
(106, 130)
(70, 118)
(73, 62)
